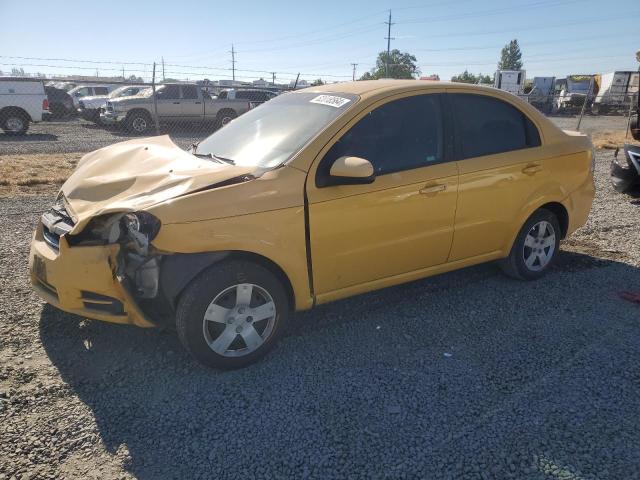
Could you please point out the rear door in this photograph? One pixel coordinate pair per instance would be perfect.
(501, 167)
(191, 106)
(400, 223)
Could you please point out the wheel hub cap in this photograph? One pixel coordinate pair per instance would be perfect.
(14, 124)
(539, 246)
(239, 320)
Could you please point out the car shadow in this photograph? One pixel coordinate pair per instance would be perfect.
(28, 137)
(320, 389)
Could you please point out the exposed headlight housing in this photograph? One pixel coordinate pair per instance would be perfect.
(141, 222)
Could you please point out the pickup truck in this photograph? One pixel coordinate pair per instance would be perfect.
(22, 101)
(178, 103)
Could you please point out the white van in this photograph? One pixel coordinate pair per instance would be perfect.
(22, 101)
(82, 91)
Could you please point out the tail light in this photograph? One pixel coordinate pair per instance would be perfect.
(45, 104)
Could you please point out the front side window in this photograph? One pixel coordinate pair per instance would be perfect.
(400, 135)
(488, 126)
(169, 92)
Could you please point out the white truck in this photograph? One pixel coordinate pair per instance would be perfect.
(82, 91)
(22, 101)
(571, 93)
(89, 107)
(541, 94)
(511, 81)
(617, 90)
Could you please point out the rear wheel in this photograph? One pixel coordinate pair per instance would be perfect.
(14, 123)
(535, 248)
(224, 117)
(232, 314)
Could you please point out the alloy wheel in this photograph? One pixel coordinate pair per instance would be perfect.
(14, 124)
(539, 246)
(239, 320)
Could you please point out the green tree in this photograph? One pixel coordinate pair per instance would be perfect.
(466, 77)
(399, 64)
(317, 82)
(511, 56)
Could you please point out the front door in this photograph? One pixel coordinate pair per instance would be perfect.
(192, 107)
(168, 98)
(403, 221)
(501, 168)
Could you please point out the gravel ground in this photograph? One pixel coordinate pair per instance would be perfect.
(82, 136)
(465, 375)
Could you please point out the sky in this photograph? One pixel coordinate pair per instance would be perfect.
(317, 39)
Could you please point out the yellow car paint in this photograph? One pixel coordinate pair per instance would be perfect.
(330, 242)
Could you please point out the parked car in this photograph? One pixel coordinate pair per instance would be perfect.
(182, 102)
(89, 108)
(256, 97)
(82, 91)
(22, 101)
(625, 171)
(312, 197)
(60, 102)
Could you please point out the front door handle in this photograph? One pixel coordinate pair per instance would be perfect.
(429, 189)
(532, 169)
(176, 103)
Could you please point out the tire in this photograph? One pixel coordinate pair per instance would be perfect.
(138, 123)
(216, 318)
(224, 117)
(14, 123)
(534, 250)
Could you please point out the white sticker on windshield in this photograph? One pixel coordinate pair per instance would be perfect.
(330, 100)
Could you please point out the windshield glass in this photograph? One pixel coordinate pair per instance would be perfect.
(272, 133)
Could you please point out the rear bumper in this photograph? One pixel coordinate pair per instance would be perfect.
(81, 280)
(579, 205)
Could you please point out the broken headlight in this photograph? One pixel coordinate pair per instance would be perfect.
(141, 222)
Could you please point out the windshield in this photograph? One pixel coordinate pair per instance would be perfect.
(272, 133)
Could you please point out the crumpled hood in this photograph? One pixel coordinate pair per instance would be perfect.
(136, 174)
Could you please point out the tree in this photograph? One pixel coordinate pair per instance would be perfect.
(466, 77)
(400, 65)
(317, 82)
(511, 56)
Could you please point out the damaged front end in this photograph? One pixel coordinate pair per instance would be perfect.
(108, 271)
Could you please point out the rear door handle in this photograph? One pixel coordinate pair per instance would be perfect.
(429, 189)
(176, 103)
(532, 169)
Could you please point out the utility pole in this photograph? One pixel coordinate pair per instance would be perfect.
(155, 100)
(163, 69)
(233, 63)
(354, 70)
(123, 74)
(273, 78)
(388, 38)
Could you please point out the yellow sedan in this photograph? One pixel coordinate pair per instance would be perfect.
(314, 196)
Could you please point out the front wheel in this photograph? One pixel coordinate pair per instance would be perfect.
(232, 314)
(535, 248)
(139, 123)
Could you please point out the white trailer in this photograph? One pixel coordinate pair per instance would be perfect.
(511, 81)
(617, 91)
(541, 94)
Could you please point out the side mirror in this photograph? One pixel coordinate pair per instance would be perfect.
(351, 170)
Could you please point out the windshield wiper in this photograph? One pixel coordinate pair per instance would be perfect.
(227, 160)
(217, 158)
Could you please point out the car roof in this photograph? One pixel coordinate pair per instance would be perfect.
(366, 88)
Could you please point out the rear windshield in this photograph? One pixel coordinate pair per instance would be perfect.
(272, 133)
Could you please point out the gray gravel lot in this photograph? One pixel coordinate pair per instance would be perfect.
(465, 375)
(81, 136)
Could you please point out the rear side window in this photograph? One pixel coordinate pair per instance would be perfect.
(101, 90)
(189, 92)
(487, 126)
(400, 135)
(170, 92)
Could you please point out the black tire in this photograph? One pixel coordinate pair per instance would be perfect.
(515, 264)
(14, 123)
(139, 122)
(217, 283)
(224, 117)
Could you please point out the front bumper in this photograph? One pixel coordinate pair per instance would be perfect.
(625, 171)
(82, 281)
(88, 113)
(112, 118)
